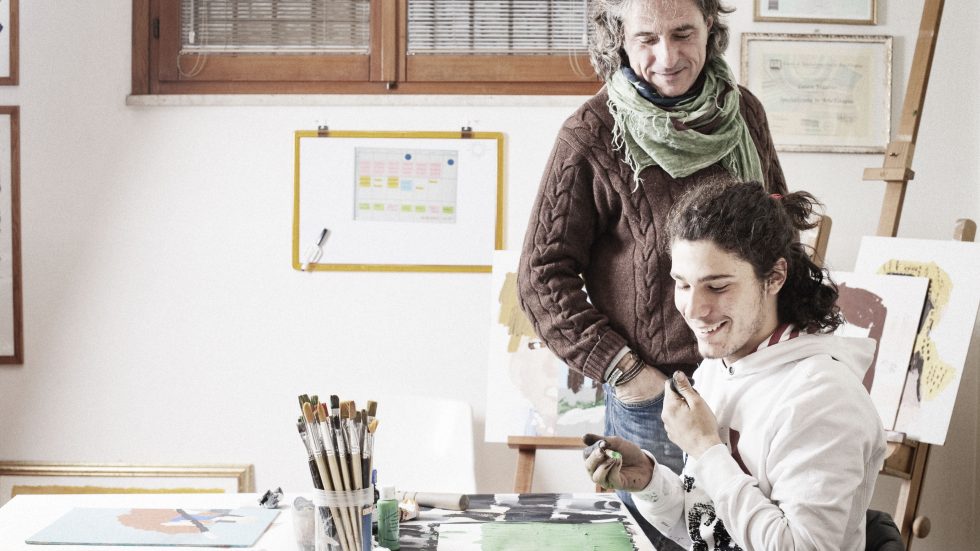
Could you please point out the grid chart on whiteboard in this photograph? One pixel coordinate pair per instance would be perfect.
(405, 185)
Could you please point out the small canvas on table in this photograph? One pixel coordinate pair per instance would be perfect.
(166, 527)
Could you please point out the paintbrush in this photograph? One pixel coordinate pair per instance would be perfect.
(314, 470)
(332, 441)
(313, 429)
(356, 458)
(362, 435)
(343, 449)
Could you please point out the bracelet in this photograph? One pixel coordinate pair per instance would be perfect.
(632, 371)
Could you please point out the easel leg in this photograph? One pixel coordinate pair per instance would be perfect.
(525, 471)
(908, 496)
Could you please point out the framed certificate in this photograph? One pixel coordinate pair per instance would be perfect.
(851, 12)
(829, 93)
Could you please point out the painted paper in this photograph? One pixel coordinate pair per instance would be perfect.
(886, 308)
(168, 527)
(946, 327)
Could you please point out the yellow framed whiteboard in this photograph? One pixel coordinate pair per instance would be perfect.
(397, 201)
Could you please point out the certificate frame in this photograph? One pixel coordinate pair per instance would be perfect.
(822, 93)
(32, 477)
(11, 299)
(847, 12)
(9, 42)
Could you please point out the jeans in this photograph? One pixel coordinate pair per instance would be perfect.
(641, 424)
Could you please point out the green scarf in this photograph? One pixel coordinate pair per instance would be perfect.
(671, 139)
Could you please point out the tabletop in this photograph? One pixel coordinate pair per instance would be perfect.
(489, 516)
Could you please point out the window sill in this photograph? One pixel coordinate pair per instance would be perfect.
(299, 100)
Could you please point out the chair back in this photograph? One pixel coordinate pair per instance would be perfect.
(425, 444)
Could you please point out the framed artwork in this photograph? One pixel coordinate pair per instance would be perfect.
(397, 201)
(945, 328)
(850, 12)
(822, 93)
(11, 307)
(8, 42)
(530, 391)
(27, 477)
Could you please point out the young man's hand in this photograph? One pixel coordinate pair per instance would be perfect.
(689, 421)
(617, 464)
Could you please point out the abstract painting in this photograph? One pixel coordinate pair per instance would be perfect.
(945, 328)
(886, 308)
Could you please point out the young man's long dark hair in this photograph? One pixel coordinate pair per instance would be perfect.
(760, 228)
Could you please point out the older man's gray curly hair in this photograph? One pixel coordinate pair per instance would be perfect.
(606, 31)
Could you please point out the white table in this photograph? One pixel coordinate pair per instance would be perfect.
(25, 515)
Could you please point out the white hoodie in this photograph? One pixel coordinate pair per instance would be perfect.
(806, 447)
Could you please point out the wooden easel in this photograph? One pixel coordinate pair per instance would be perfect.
(907, 458)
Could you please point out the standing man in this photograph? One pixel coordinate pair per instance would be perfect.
(782, 440)
(592, 278)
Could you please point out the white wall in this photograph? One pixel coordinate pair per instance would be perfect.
(163, 322)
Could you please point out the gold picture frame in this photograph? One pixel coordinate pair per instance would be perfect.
(822, 92)
(40, 477)
(846, 12)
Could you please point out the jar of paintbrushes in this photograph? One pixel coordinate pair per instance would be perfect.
(339, 442)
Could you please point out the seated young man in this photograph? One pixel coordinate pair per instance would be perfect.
(783, 443)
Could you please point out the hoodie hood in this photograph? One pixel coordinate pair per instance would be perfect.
(853, 353)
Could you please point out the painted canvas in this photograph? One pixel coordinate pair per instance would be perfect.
(166, 527)
(886, 308)
(530, 392)
(527, 521)
(945, 329)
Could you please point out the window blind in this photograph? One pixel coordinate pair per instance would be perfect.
(496, 26)
(275, 26)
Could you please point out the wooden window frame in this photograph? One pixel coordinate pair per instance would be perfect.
(387, 69)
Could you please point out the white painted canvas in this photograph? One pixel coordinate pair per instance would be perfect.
(886, 308)
(939, 354)
(530, 392)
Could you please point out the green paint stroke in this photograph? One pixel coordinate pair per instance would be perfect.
(534, 536)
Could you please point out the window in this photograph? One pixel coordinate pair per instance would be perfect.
(361, 47)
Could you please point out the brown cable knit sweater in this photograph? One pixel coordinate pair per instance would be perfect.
(587, 223)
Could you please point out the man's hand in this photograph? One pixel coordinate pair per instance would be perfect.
(689, 421)
(647, 384)
(617, 464)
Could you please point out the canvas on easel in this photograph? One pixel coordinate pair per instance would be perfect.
(945, 330)
(530, 391)
(886, 308)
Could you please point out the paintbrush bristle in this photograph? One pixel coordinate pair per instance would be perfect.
(357, 417)
(334, 401)
(308, 412)
(372, 408)
(373, 426)
(314, 400)
(344, 411)
(300, 425)
(320, 416)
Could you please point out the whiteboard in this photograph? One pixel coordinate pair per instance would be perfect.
(397, 201)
